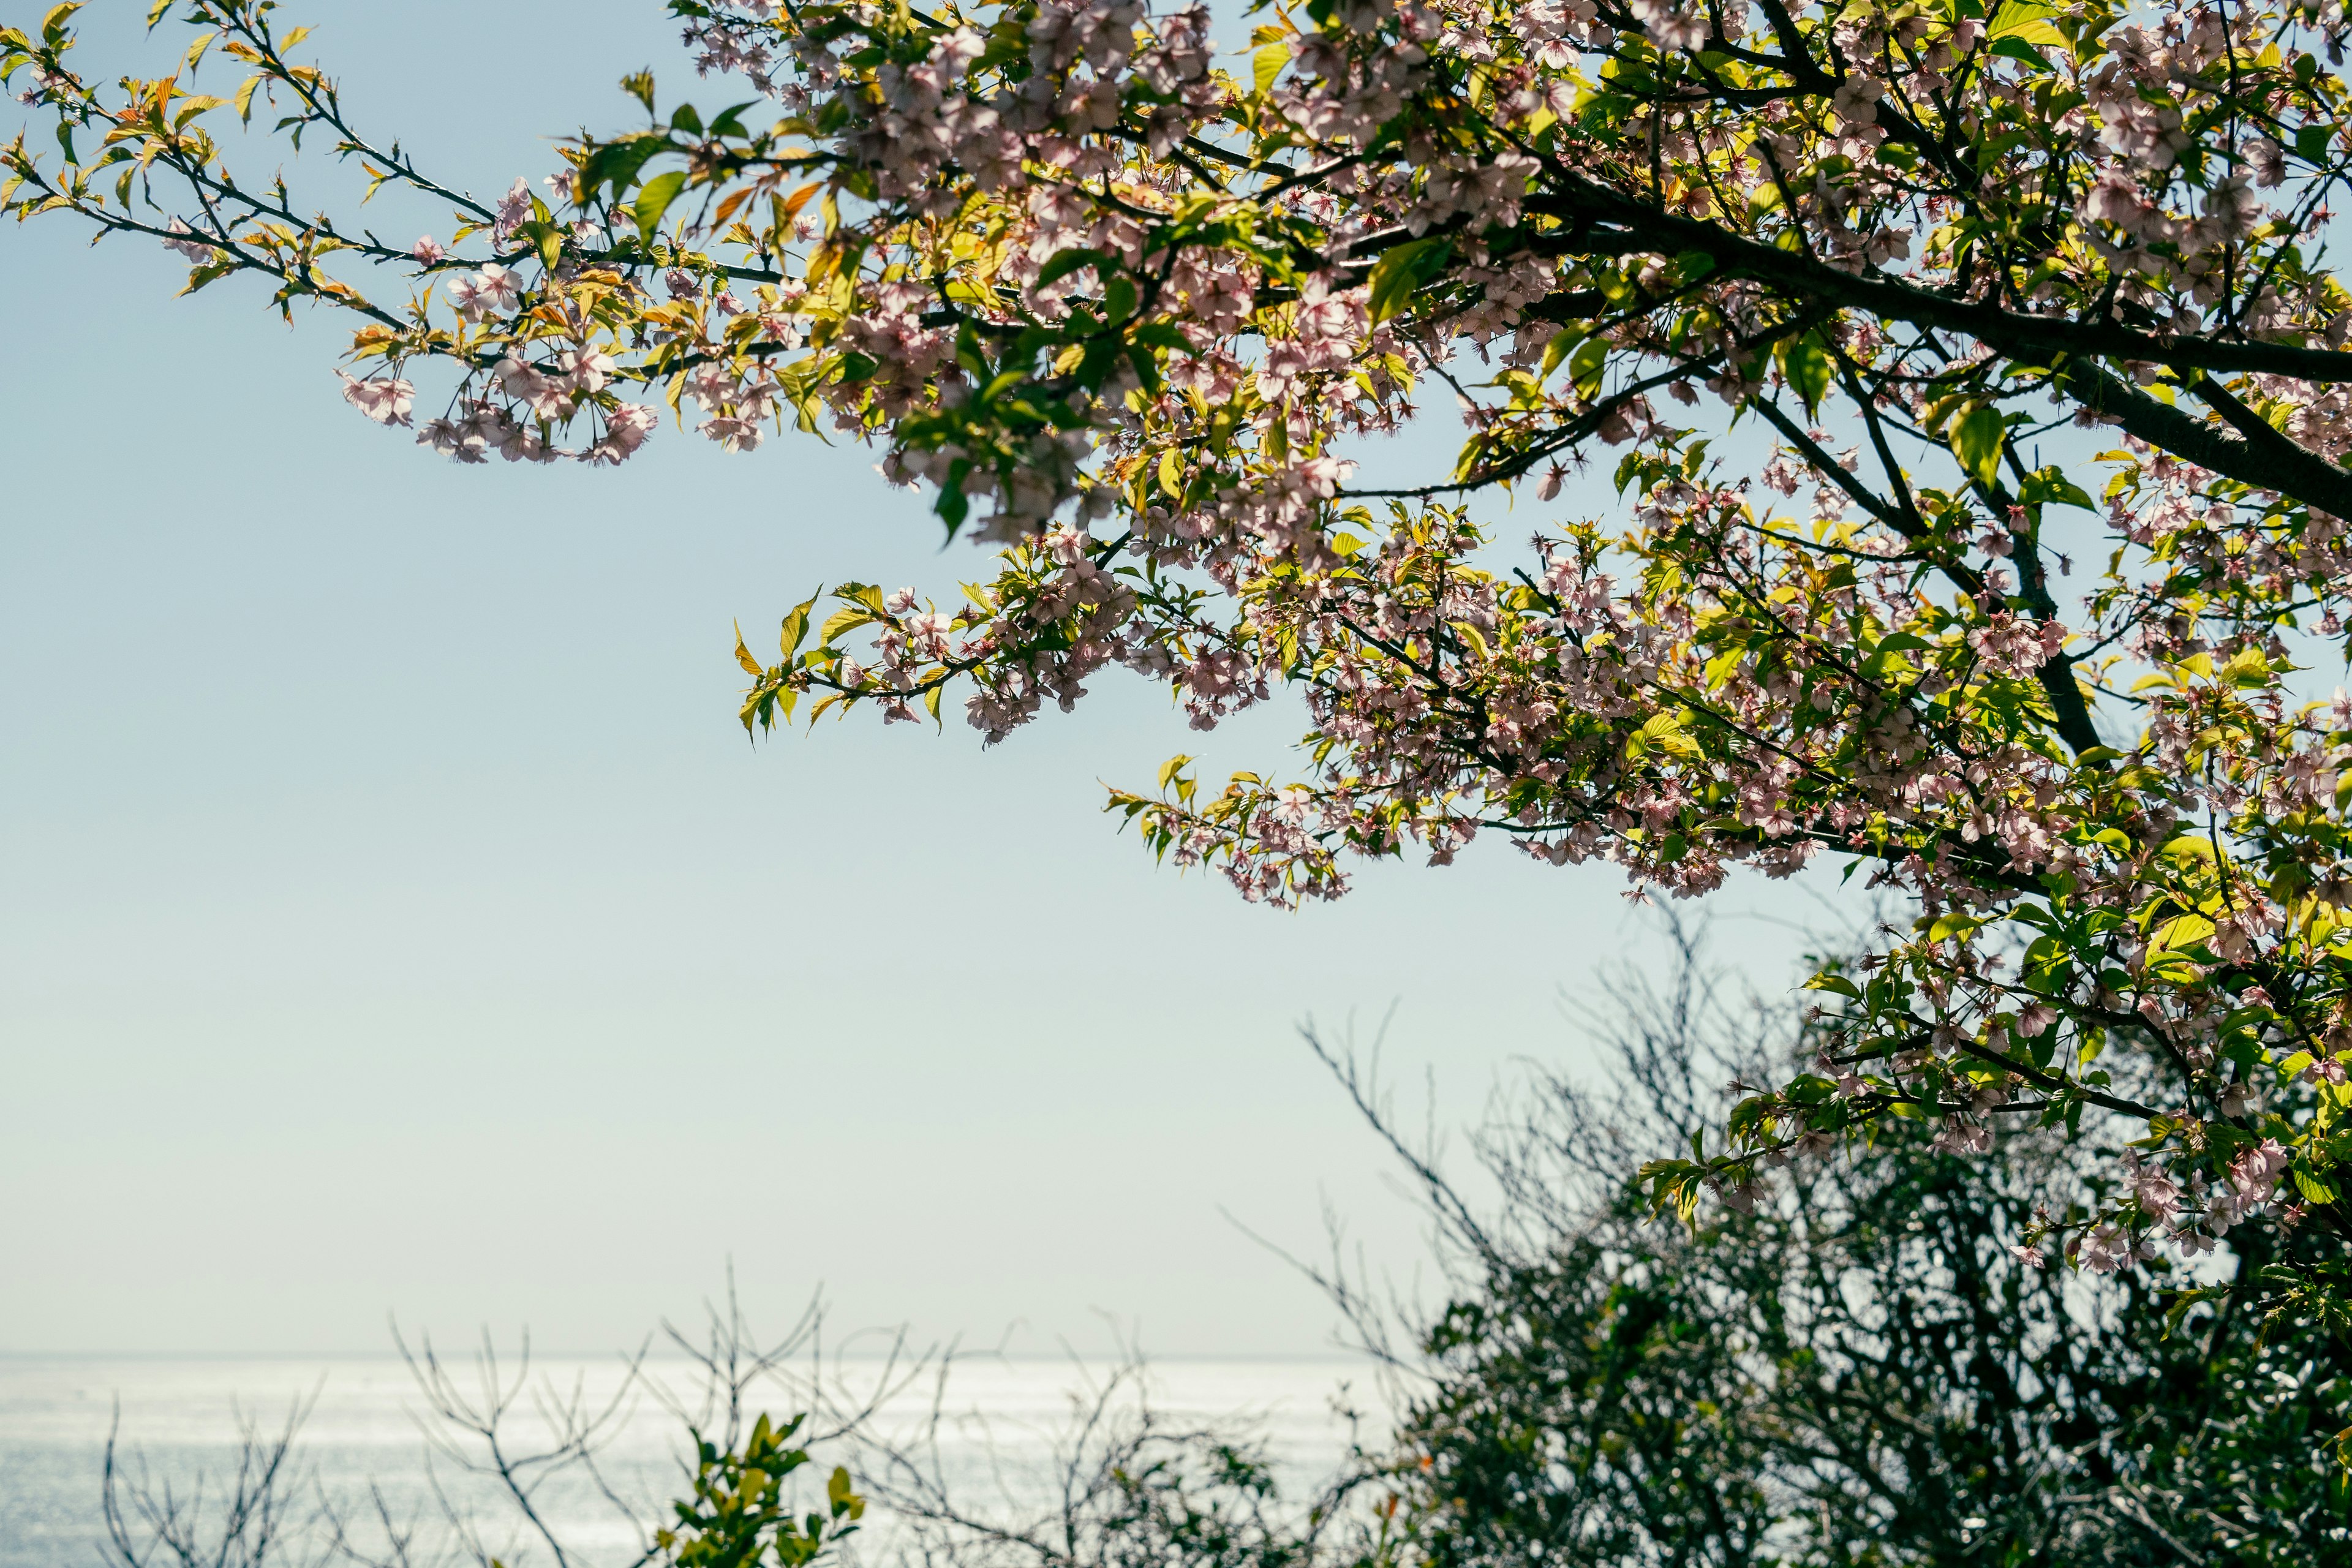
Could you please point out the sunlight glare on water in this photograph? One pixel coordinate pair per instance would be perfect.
(1003, 1420)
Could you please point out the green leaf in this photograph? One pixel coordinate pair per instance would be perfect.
(1557, 349)
(2017, 48)
(1267, 63)
(1065, 262)
(2182, 1302)
(1147, 369)
(1806, 366)
(1397, 274)
(1587, 366)
(1660, 733)
(654, 200)
(1162, 335)
(617, 164)
(2029, 20)
(795, 627)
(1901, 642)
(1977, 442)
(2183, 931)
(2045, 485)
(843, 620)
(1952, 925)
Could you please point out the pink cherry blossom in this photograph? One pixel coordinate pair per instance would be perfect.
(382, 399)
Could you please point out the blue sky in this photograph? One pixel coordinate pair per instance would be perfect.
(393, 916)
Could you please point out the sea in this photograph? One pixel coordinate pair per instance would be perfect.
(997, 1434)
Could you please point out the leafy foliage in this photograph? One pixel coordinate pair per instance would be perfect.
(1860, 1369)
(739, 1514)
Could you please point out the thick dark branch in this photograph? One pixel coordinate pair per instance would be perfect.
(1630, 227)
(2276, 463)
(2260, 434)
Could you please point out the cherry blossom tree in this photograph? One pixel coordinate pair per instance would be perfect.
(1970, 374)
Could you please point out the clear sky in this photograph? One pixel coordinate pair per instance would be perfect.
(393, 918)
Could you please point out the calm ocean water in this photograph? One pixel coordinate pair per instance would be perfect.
(1004, 1422)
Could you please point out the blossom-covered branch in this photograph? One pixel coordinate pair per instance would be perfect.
(1866, 301)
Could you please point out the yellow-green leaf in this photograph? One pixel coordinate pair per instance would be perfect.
(655, 199)
(1977, 442)
(843, 620)
(1267, 63)
(2029, 20)
(752, 667)
(2181, 930)
(1805, 365)
(1398, 272)
(795, 627)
